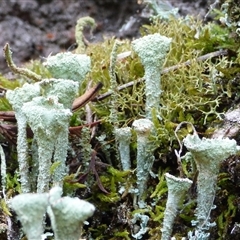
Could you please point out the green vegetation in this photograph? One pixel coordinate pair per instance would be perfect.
(199, 82)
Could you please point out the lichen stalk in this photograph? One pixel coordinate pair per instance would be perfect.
(22, 150)
(152, 50)
(17, 98)
(113, 85)
(48, 120)
(123, 137)
(145, 157)
(208, 154)
(3, 170)
(86, 147)
(177, 189)
(60, 154)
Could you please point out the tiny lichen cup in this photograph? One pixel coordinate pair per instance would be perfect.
(177, 189)
(208, 155)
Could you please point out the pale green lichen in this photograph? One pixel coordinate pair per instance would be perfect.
(113, 117)
(68, 215)
(162, 10)
(123, 137)
(3, 170)
(17, 98)
(69, 66)
(81, 24)
(38, 104)
(208, 154)
(143, 225)
(30, 209)
(231, 11)
(145, 157)
(85, 146)
(177, 189)
(65, 90)
(152, 50)
(49, 122)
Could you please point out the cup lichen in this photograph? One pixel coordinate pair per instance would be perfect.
(123, 137)
(177, 189)
(49, 122)
(68, 65)
(152, 50)
(208, 154)
(68, 215)
(30, 209)
(17, 98)
(145, 157)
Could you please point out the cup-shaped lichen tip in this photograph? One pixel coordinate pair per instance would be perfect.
(69, 66)
(152, 49)
(30, 209)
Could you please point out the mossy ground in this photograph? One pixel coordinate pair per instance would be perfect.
(198, 90)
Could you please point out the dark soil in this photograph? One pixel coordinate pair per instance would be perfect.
(36, 28)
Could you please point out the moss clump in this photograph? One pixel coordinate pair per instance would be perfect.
(196, 87)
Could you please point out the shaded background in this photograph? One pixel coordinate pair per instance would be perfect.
(36, 28)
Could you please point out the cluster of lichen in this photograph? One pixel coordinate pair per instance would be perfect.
(231, 16)
(197, 91)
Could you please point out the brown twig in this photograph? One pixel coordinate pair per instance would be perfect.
(86, 97)
(78, 103)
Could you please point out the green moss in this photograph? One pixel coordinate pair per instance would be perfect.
(123, 235)
(197, 90)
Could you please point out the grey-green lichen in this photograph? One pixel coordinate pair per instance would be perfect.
(113, 117)
(145, 157)
(17, 98)
(191, 96)
(49, 120)
(68, 65)
(177, 189)
(152, 50)
(45, 106)
(143, 218)
(123, 137)
(68, 215)
(208, 154)
(231, 11)
(161, 9)
(65, 90)
(30, 209)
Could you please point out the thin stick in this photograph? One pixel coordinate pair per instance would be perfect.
(86, 97)
(223, 52)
